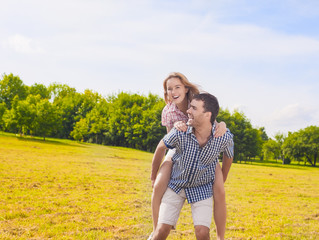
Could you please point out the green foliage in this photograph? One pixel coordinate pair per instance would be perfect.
(3, 109)
(247, 140)
(131, 120)
(46, 118)
(97, 119)
(60, 90)
(40, 89)
(263, 134)
(88, 100)
(271, 149)
(67, 105)
(10, 87)
(303, 145)
(21, 117)
(124, 119)
(80, 130)
(33, 116)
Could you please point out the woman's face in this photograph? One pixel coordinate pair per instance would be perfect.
(176, 90)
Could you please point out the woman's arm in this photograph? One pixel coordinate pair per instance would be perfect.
(180, 126)
(220, 128)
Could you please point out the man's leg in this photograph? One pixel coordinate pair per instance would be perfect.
(202, 232)
(162, 231)
(170, 209)
(202, 213)
(219, 203)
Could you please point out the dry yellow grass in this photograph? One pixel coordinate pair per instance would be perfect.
(60, 189)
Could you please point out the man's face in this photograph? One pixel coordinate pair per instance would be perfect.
(196, 113)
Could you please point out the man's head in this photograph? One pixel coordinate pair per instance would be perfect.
(204, 109)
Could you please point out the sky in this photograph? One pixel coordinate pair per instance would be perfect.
(257, 57)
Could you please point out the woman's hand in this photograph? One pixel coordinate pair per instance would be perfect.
(220, 129)
(181, 126)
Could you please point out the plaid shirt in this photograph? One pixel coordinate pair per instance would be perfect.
(194, 166)
(172, 114)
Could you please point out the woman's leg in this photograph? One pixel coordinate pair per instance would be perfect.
(219, 203)
(160, 187)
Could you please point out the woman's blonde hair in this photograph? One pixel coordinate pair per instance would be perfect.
(192, 88)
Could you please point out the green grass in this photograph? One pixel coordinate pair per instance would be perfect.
(60, 189)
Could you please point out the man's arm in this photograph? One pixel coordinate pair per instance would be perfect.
(157, 159)
(226, 165)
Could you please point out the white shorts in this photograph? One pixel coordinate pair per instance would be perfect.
(172, 204)
(170, 153)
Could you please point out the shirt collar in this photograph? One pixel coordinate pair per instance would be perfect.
(190, 129)
(173, 106)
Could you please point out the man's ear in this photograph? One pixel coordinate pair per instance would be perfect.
(208, 115)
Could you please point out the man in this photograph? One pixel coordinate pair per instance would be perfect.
(194, 166)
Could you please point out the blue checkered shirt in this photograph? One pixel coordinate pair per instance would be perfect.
(194, 166)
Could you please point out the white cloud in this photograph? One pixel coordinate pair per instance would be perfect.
(293, 117)
(241, 41)
(22, 44)
(293, 113)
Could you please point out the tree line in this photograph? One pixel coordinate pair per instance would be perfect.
(126, 119)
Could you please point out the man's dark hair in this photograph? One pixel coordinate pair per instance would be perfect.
(210, 104)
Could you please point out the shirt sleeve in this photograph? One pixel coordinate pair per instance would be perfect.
(228, 147)
(171, 139)
(168, 117)
(164, 116)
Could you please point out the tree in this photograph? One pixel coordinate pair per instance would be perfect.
(58, 91)
(280, 138)
(310, 143)
(89, 100)
(11, 86)
(303, 145)
(263, 138)
(97, 119)
(247, 140)
(21, 117)
(3, 109)
(46, 118)
(151, 124)
(271, 149)
(80, 130)
(292, 147)
(67, 103)
(129, 121)
(40, 89)
(254, 143)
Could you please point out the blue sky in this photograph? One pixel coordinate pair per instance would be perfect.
(260, 57)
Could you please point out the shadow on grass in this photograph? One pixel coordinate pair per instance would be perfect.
(51, 141)
(277, 165)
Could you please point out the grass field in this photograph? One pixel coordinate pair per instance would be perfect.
(60, 189)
